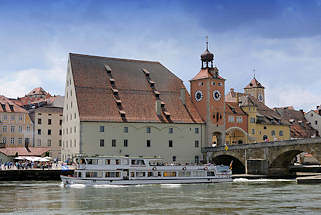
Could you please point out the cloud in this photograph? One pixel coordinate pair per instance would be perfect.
(281, 40)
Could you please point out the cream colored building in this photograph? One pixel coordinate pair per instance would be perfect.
(130, 108)
(16, 125)
(48, 126)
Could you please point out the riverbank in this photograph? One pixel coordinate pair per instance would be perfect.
(33, 174)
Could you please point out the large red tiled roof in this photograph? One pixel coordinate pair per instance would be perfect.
(22, 151)
(9, 106)
(299, 126)
(265, 115)
(38, 91)
(254, 84)
(233, 108)
(95, 97)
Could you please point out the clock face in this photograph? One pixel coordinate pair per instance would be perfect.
(260, 97)
(198, 95)
(216, 95)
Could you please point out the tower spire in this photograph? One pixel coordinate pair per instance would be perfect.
(207, 57)
(206, 42)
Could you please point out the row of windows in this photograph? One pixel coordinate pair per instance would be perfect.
(13, 128)
(48, 142)
(272, 132)
(49, 132)
(239, 119)
(174, 158)
(148, 130)
(213, 83)
(70, 116)
(70, 145)
(49, 121)
(69, 130)
(148, 143)
(13, 140)
(12, 117)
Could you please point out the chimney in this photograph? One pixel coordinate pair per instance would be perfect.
(182, 95)
(158, 107)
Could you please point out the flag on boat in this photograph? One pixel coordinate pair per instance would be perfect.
(231, 165)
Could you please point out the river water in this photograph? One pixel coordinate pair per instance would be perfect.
(238, 197)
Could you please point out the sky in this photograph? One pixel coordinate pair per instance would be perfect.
(277, 40)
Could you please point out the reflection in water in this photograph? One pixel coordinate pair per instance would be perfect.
(240, 197)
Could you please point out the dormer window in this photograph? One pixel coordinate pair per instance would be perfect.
(3, 107)
(108, 69)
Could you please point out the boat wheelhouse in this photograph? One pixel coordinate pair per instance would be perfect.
(129, 170)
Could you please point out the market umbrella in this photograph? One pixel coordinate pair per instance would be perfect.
(19, 158)
(43, 160)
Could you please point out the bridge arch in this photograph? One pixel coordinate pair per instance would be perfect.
(236, 135)
(284, 159)
(225, 159)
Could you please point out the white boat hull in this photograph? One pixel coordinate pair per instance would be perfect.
(67, 180)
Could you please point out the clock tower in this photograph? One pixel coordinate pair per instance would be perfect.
(207, 93)
(255, 89)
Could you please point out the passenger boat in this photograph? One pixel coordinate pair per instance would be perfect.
(108, 170)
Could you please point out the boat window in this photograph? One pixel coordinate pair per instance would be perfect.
(117, 161)
(210, 173)
(82, 161)
(169, 174)
(140, 174)
(91, 174)
(125, 161)
(159, 174)
(181, 174)
(112, 174)
(188, 174)
(150, 174)
(152, 163)
(138, 162)
(198, 173)
(107, 162)
(79, 174)
(132, 174)
(92, 161)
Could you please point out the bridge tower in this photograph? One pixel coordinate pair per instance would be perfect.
(207, 93)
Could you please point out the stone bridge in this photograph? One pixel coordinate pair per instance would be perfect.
(267, 158)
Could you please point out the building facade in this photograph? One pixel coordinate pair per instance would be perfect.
(47, 121)
(131, 108)
(314, 118)
(16, 125)
(236, 124)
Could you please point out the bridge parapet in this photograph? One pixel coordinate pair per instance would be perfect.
(293, 142)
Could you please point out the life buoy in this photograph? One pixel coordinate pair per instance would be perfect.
(154, 168)
(184, 168)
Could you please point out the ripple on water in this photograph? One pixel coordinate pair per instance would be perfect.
(240, 197)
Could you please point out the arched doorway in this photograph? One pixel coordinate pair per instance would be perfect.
(217, 139)
(235, 135)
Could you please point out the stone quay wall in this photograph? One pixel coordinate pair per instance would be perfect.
(38, 175)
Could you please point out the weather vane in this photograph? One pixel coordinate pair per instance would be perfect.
(206, 42)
